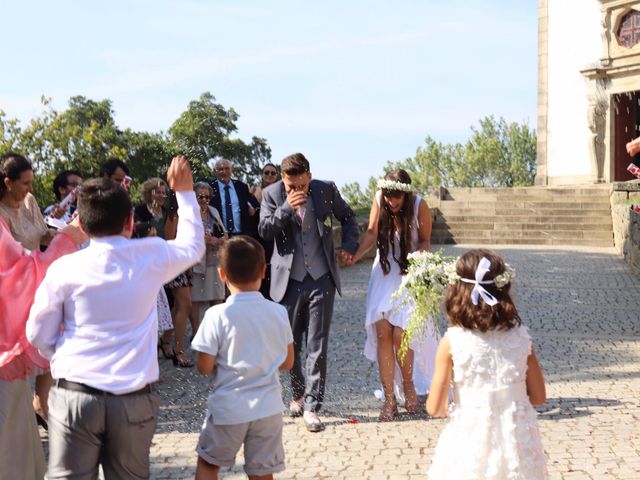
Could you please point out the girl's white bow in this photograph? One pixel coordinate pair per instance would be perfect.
(478, 289)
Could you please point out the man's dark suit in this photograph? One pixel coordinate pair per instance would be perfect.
(248, 223)
(309, 302)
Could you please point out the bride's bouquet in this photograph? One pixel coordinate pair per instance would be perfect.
(422, 291)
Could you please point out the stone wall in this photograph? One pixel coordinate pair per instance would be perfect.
(626, 224)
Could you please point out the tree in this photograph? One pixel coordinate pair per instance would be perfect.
(203, 132)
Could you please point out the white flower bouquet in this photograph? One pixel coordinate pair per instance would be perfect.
(422, 290)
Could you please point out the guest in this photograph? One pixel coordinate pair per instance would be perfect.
(207, 287)
(399, 224)
(492, 431)
(269, 177)
(94, 315)
(179, 293)
(232, 199)
(153, 211)
(19, 209)
(296, 213)
(21, 453)
(65, 183)
(116, 170)
(243, 352)
(18, 206)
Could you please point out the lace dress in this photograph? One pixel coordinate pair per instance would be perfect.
(381, 305)
(492, 431)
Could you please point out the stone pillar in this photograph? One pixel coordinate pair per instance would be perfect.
(541, 130)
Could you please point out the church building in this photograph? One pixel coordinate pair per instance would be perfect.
(588, 90)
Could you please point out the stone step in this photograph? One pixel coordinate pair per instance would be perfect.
(527, 191)
(578, 219)
(542, 227)
(435, 240)
(509, 203)
(500, 210)
(527, 234)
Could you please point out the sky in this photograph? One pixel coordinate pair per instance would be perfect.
(351, 84)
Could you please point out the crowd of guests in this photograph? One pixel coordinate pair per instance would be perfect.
(263, 263)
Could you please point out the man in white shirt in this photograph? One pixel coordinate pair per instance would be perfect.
(94, 316)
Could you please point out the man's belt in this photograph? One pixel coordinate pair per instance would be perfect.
(81, 387)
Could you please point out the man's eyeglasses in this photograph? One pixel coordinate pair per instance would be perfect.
(270, 173)
(204, 197)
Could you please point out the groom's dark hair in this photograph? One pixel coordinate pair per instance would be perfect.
(103, 207)
(295, 164)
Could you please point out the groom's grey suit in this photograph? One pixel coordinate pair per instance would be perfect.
(304, 273)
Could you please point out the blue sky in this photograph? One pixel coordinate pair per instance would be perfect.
(350, 84)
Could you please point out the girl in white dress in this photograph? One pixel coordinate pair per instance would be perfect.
(399, 223)
(492, 431)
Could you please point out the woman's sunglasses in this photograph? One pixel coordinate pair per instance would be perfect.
(270, 173)
(204, 197)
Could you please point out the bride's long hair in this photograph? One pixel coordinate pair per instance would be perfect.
(387, 225)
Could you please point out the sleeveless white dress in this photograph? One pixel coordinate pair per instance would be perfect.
(492, 431)
(380, 305)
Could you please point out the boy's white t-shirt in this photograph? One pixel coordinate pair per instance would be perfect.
(249, 337)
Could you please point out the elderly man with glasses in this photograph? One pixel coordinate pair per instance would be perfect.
(233, 200)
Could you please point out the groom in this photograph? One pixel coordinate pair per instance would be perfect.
(296, 212)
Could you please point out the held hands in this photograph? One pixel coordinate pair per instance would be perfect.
(345, 258)
(179, 175)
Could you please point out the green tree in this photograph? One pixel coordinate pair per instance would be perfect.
(203, 132)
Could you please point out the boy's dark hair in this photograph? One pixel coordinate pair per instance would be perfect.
(460, 309)
(103, 207)
(62, 180)
(12, 165)
(295, 164)
(109, 167)
(242, 259)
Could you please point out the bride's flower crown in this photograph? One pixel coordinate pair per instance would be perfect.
(394, 186)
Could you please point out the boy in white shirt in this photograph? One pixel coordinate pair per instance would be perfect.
(243, 342)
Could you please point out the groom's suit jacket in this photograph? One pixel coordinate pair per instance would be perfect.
(277, 221)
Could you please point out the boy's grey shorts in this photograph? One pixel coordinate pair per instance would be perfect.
(262, 438)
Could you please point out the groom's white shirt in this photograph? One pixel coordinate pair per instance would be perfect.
(94, 314)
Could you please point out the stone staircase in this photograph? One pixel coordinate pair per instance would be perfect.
(575, 215)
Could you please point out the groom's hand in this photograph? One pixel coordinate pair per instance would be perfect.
(296, 198)
(345, 257)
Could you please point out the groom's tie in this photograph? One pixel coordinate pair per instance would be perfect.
(228, 210)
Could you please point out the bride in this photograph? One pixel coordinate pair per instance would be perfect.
(399, 223)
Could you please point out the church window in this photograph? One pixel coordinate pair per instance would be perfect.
(629, 31)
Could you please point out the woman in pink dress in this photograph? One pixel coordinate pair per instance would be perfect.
(21, 454)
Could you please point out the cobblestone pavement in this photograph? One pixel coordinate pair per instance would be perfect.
(581, 305)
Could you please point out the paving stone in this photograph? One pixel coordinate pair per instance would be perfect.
(581, 307)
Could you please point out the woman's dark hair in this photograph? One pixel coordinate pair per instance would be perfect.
(387, 225)
(295, 164)
(103, 207)
(12, 165)
(458, 304)
(262, 184)
(109, 167)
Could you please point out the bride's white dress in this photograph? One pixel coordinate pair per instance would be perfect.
(381, 305)
(492, 431)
